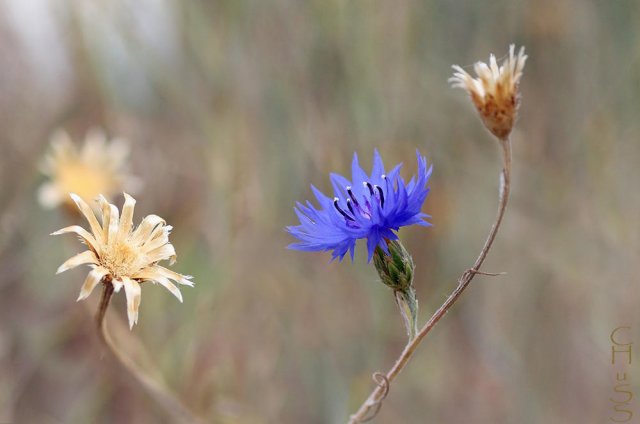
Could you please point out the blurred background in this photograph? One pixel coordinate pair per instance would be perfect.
(232, 108)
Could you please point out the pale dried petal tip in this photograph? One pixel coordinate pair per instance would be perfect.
(495, 92)
(86, 257)
(92, 280)
(122, 255)
(186, 280)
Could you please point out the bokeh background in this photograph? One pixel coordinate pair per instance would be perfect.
(232, 108)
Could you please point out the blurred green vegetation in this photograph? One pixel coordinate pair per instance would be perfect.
(232, 109)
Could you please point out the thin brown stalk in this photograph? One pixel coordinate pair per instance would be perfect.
(161, 394)
(372, 405)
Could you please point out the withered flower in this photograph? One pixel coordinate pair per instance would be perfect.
(495, 92)
(98, 167)
(121, 255)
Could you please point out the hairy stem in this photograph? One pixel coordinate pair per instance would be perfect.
(172, 405)
(371, 406)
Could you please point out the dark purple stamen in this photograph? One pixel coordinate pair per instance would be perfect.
(369, 186)
(339, 209)
(351, 206)
(373, 189)
(355, 201)
(381, 196)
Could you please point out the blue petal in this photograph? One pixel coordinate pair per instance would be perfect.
(373, 239)
(323, 200)
(378, 166)
(340, 185)
(358, 176)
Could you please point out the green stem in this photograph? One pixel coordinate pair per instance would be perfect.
(408, 304)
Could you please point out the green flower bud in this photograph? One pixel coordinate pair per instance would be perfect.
(396, 272)
(396, 268)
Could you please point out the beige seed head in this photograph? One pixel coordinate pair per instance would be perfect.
(495, 92)
(121, 255)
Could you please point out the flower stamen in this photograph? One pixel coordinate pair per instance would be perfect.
(349, 205)
(355, 201)
(368, 185)
(381, 195)
(339, 209)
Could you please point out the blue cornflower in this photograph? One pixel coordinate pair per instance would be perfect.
(370, 206)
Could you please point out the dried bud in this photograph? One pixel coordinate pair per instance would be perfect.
(495, 93)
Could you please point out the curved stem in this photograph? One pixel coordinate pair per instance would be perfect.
(172, 405)
(371, 406)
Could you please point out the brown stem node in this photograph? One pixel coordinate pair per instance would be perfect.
(489, 274)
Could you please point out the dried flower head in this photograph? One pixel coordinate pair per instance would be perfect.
(121, 255)
(95, 168)
(371, 207)
(495, 92)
